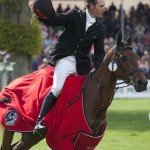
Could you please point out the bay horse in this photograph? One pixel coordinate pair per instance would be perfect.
(93, 96)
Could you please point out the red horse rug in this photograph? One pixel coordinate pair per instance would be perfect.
(66, 122)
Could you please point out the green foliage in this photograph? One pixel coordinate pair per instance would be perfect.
(20, 38)
(17, 34)
(12, 3)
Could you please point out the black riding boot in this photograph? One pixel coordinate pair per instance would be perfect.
(48, 103)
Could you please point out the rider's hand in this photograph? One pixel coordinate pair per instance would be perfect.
(93, 70)
(30, 4)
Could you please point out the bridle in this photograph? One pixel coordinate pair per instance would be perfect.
(128, 76)
(128, 79)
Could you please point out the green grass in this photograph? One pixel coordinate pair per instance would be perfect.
(128, 127)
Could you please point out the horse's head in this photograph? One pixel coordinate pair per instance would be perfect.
(125, 64)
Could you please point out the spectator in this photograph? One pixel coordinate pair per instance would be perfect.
(35, 63)
(67, 8)
(139, 30)
(112, 11)
(146, 57)
(136, 14)
(59, 9)
(146, 68)
(43, 64)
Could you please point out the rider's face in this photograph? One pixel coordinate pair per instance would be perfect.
(98, 9)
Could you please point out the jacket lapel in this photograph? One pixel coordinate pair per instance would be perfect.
(92, 27)
(83, 22)
(83, 19)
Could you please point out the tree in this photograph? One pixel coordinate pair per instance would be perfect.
(17, 35)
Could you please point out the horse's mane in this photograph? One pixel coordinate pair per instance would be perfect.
(108, 55)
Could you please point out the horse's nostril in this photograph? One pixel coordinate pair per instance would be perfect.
(142, 82)
(140, 85)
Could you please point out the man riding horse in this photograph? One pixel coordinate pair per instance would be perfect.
(71, 53)
(78, 119)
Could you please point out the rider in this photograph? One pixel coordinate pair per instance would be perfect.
(71, 53)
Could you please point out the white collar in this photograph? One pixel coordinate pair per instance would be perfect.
(89, 18)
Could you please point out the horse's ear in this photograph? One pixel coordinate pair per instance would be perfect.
(119, 38)
(129, 39)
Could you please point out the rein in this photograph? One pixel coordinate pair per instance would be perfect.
(99, 86)
(116, 88)
(76, 97)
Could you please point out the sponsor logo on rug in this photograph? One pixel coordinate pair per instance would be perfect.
(11, 118)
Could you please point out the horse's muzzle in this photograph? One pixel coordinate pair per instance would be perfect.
(140, 85)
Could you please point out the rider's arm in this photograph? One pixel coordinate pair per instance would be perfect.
(99, 51)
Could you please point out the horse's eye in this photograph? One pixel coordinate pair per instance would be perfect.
(123, 58)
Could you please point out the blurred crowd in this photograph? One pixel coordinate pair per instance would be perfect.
(137, 21)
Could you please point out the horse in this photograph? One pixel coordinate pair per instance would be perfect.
(93, 95)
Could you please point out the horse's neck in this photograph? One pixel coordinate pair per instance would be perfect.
(99, 93)
(103, 74)
(103, 83)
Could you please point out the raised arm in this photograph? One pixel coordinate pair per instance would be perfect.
(44, 11)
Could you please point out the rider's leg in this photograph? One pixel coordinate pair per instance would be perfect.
(64, 67)
(47, 104)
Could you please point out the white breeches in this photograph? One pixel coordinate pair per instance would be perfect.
(64, 67)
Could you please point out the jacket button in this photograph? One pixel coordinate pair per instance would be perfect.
(81, 40)
(75, 51)
(77, 46)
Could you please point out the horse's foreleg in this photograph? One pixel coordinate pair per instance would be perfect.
(7, 139)
(27, 141)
